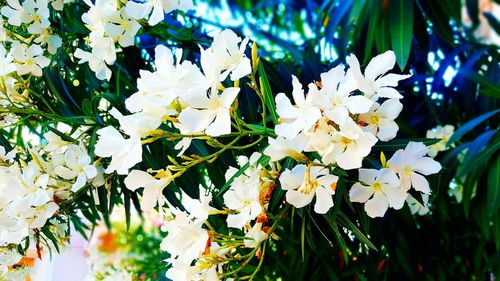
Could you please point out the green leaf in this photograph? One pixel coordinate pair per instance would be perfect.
(345, 222)
(302, 236)
(487, 87)
(493, 202)
(465, 128)
(394, 145)
(51, 237)
(102, 194)
(268, 94)
(472, 153)
(401, 29)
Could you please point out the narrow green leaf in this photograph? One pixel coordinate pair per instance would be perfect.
(401, 29)
(268, 94)
(345, 222)
(51, 237)
(394, 145)
(472, 153)
(465, 128)
(487, 87)
(102, 194)
(493, 202)
(302, 236)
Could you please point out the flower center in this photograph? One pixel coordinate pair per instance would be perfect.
(374, 120)
(377, 187)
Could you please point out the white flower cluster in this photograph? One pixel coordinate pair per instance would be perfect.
(180, 91)
(388, 187)
(27, 55)
(8, 257)
(247, 200)
(29, 194)
(188, 243)
(341, 118)
(113, 22)
(26, 202)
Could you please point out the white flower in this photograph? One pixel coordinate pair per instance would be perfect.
(153, 188)
(137, 124)
(54, 142)
(255, 236)
(15, 13)
(374, 83)
(280, 147)
(6, 62)
(186, 240)
(335, 97)
(25, 202)
(295, 119)
(225, 57)
(8, 257)
(124, 153)
(103, 53)
(122, 28)
(33, 12)
(416, 207)
(98, 15)
(29, 59)
(303, 183)
(58, 5)
(52, 41)
(243, 197)
(154, 9)
(380, 119)
(411, 164)
(347, 147)
(379, 190)
(77, 165)
(171, 80)
(7, 156)
(198, 209)
(179, 271)
(440, 132)
(210, 113)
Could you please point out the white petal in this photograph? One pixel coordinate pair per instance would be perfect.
(298, 92)
(387, 92)
(420, 183)
(284, 107)
(360, 193)
(338, 115)
(396, 197)
(390, 80)
(359, 104)
(137, 179)
(228, 96)
(237, 220)
(221, 124)
(292, 179)
(388, 130)
(426, 166)
(242, 69)
(196, 120)
(380, 65)
(391, 108)
(298, 199)
(324, 201)
(377, 206)
(367, 175)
